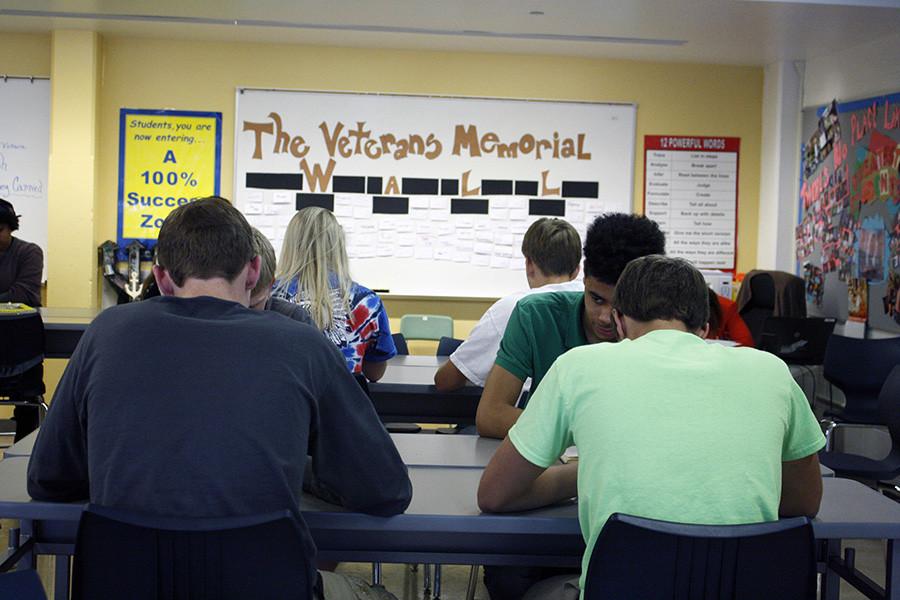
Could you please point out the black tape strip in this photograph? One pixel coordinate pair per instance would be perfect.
(413, 186)
(496, 187)
(348, 185)
(390, 205)
(547, 208)
(468, 206)
(526, 188)
(449, 187)
(373, 185)
(323, 200)
(274, 181)
(580, 189)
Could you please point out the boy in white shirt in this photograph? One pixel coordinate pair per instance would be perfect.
(552, 250)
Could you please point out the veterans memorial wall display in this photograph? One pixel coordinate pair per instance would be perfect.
(434, 193)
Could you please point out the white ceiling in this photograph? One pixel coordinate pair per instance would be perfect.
(751, 32)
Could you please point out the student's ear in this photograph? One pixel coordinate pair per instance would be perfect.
(253, 272)
(703, 331)
(163, 281)
(620, 325)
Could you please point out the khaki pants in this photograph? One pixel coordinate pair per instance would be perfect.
(346, 587)
(561, 587)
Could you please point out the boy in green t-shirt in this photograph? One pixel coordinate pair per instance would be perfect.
(667, 426)
(543, 327)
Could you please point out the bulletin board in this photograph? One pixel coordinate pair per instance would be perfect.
(25, 154)
(848, 237)
(434, 193)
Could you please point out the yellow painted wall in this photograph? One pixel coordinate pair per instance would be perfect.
(25, 54)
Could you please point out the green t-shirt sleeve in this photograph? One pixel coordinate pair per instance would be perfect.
(542, 432)
(804, 435)
(515, 353)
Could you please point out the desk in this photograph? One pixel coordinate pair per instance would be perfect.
(419, 450)
(63, 328)
(443, 523)
(406, 393)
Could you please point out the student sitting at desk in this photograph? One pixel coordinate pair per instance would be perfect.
(544, 326)
(240, 398)
(667, 426)
(314, 273)
(261, 295)
(552, 251)
(725, 322)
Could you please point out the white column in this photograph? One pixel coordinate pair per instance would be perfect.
(780, 165)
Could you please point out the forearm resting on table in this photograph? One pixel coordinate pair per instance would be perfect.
(374, 370)
(497, 410)
(449, 378)
(801, 487)
(511, 483)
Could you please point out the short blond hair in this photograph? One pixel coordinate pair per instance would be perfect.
(263, 248)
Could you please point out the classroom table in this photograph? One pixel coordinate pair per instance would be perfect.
(407, 394)
(63, 327)
(419, 450)
(443, 523)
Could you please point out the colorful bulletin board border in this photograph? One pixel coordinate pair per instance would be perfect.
(691, 189)
(166, 158)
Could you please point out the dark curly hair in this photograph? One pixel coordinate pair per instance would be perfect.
(615, 239)
(8, 215)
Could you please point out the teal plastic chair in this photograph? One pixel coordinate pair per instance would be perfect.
(426, 327)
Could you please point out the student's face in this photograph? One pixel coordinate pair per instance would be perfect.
(5, 236)
(598, 324)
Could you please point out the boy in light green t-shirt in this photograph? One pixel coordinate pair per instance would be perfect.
(667, 426)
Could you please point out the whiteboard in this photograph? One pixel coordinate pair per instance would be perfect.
(434, 193)
(24, 154)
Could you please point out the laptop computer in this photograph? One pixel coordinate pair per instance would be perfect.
(797, 340)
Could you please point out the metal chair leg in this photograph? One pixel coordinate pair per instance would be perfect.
(437, 583)
(376, 573)
(426, 579)
(473, 582)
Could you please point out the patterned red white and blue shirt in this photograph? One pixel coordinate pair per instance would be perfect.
(361, 331)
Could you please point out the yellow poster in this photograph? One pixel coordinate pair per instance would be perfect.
(166, 158)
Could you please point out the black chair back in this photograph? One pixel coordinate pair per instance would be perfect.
(22, 585)
(889, 405)
(761, 305)
(126, 555)
(447, 346)
(656, 560)
(21, 354)
(859, 368)
(400, 344)
(797, 340)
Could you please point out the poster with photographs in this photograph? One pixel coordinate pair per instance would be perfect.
(848, 236)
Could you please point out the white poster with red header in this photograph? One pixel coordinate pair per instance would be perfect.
(691, 190)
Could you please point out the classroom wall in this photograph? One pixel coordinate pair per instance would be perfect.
(672, 98)
(25, 54)
(158, 73)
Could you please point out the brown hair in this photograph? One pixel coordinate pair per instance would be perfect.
(553, 245)
(204, 239)
(657, 287)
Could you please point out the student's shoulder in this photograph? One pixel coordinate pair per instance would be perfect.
(550, 302)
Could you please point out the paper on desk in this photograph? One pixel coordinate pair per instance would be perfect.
(569, 455)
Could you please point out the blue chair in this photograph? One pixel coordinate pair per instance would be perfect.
(400, 344)
(861, 467)
(447, 346)
(859, 368)
(120, 554)
(657, 560)
(22, 585)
